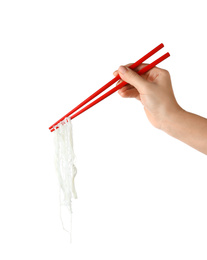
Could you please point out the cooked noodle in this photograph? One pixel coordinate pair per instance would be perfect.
(64, 164)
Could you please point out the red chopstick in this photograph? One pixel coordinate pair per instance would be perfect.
(123, 83)
(133, 66)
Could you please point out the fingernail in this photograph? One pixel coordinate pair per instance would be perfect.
(122, 69)
(118, 82)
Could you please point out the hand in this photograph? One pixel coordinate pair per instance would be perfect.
(153, 89)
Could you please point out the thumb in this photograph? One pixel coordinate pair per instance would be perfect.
(132, 78)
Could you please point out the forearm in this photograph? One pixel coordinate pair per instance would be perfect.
(188, 128)
(154, 90)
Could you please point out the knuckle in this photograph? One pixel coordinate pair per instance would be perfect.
(129, 64)
(165, 72)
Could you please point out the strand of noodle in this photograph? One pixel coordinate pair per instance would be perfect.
(65, 167)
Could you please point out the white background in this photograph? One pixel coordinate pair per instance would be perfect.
(141, 193)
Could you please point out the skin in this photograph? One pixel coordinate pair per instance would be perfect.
(154, 90)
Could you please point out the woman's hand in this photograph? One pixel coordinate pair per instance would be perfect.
(153, 89)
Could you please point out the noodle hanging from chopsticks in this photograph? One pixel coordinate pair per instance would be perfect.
(65, 166)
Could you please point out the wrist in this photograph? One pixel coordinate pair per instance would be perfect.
(188, 128)
(173, 119)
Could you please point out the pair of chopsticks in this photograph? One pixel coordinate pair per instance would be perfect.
(119, 86)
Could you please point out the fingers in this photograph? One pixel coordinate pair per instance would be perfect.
(119, 81)
(115, 73)
(141, 66)
(129, 92)
(132, 78)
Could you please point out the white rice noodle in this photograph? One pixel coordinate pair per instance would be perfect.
(64, 164)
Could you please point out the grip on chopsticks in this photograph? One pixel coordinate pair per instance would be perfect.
(133, 66)
(121, 85)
